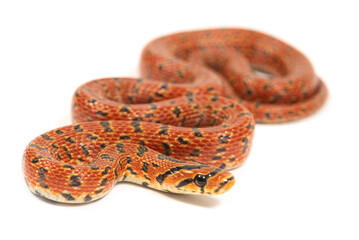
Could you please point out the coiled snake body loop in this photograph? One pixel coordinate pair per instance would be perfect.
(180, 127)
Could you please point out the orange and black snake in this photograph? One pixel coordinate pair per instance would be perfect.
(180, 127)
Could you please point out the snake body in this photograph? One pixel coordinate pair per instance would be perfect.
(180, 127)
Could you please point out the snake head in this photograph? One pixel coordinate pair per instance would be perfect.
(199, 179)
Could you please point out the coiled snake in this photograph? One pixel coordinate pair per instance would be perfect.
(180, 127)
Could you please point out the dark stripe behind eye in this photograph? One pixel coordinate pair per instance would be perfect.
(185, 182)
(160, 178)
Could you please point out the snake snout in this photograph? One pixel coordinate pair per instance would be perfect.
(224, 182)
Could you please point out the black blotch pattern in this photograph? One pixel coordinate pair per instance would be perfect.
(166, 148)
(104, 182)
(132, 171)
(232, 159)
(68, 166)
(68, 153)
(125, 109)
(106, 157)
(145, 166)
(42, 175)
(214, 98)
(224, 138)
(243, 114)
(136, 125)
(46, 137)
(221, 149)
(197, 132)
(177, 111)
(160, 95)
(106, 171)
(141, 150)
(183, 120)
(116, 174)
(195, 152)
(101, 113)
(137, 119)
(75, 181)
(149, 115)
(106, 126)
(91, 137)
(98, 191)
(130, 98)
(119, 148)
(38, 147)
(59, 132)
(182, 141)
(163, 131)
(245, 146)
(36, 159)
(68, 196)
(78, 128)
(70, 140)
(125, 137)
(128, 159)
(85, 150)
(153, 106)
(88, 198)
(93, 167)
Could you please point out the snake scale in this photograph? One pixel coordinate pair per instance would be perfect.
(182, 125)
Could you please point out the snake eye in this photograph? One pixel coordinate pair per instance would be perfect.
(200, 180)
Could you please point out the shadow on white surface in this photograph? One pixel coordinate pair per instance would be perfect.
(195, 200)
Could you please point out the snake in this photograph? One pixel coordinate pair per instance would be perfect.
(180, 127)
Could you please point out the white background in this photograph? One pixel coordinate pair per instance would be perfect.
(301, 180)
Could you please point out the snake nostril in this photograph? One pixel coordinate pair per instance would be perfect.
(224, 182)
